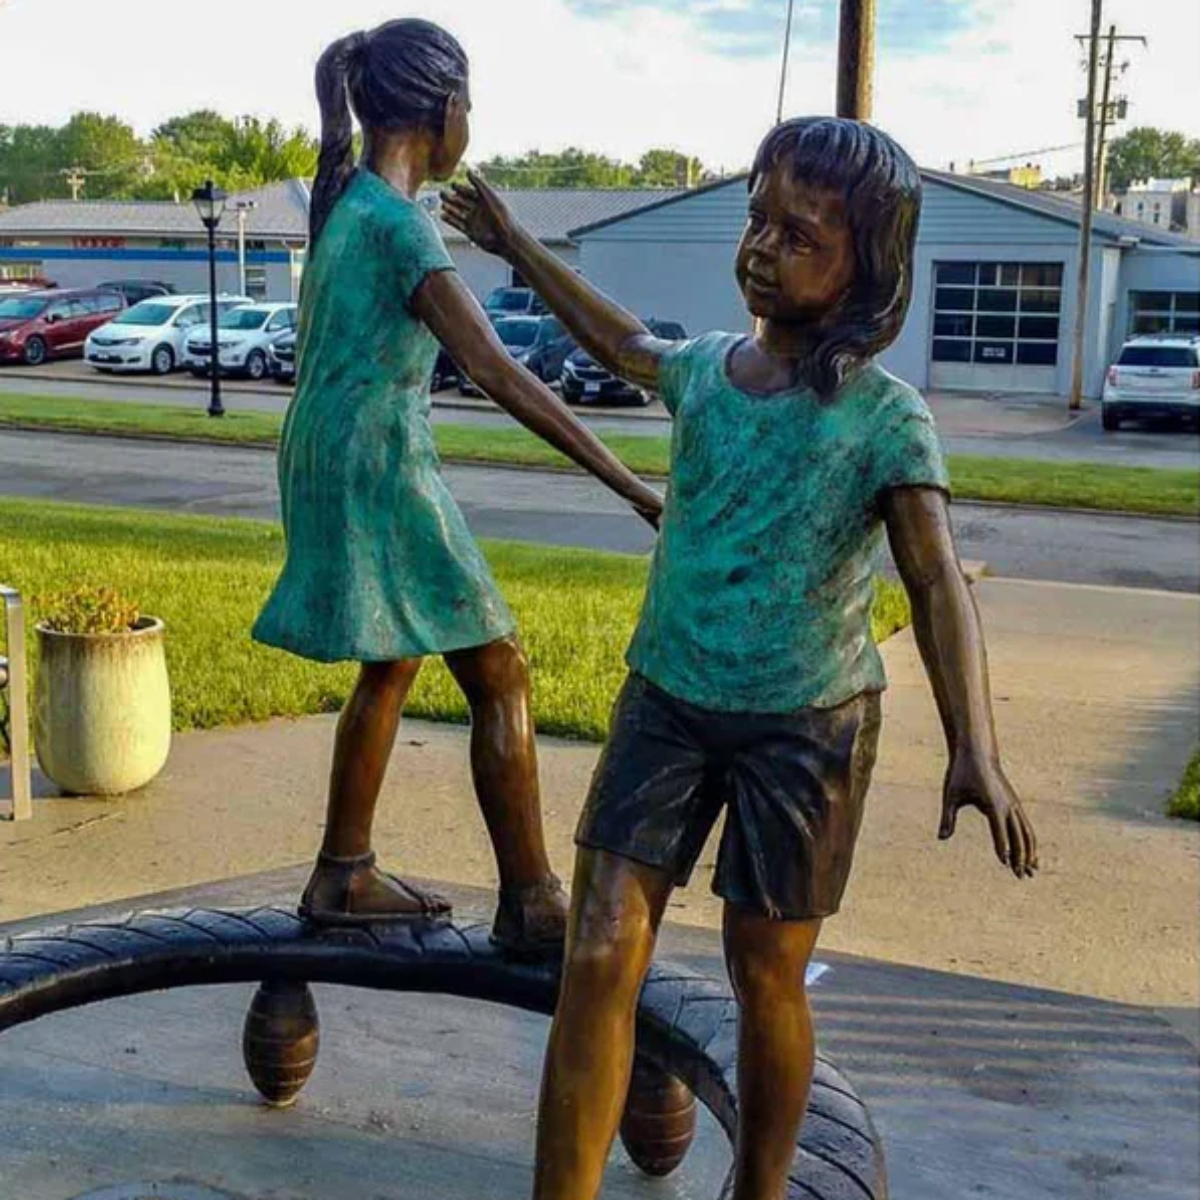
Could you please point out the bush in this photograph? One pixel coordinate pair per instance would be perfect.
(88, 610)
(1186, 801)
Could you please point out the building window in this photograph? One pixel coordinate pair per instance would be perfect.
(997, 313)
(1164, 312)
(256, 281)
(14, 272)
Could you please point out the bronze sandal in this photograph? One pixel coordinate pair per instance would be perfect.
(337, 883)
(530, 940)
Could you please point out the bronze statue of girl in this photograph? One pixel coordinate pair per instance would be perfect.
(381, 568)
(754, 682)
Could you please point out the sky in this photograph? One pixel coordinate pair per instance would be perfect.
(956, 79)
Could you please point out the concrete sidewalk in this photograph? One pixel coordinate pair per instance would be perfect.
(982, 1081)
(977, 1088)
(1097, 692)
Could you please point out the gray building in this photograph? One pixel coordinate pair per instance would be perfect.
(994, 286)
(82, 243)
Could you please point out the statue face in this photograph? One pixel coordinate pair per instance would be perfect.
(456, 134)
(796, 257)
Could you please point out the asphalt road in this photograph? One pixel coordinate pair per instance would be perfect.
(573, 510)
(1084, 441)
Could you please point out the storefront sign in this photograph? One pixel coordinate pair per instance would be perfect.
(99, 243)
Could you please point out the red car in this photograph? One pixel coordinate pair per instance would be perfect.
(36, 326)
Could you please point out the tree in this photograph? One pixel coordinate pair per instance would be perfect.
(1147, 153)
(107, 152)
(576, 168)
(29, 163)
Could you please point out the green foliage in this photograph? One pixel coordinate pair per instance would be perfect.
(575, 168)
(247, 152)
(1147, 153)
(1186, 801)
(207, 579)
(87, 610)
(177, 158)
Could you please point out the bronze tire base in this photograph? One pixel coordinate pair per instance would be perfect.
(687, 1023)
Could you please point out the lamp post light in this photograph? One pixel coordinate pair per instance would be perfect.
(210, 204)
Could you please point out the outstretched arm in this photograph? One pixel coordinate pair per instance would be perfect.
(456, 320)
(946, 623)
(612, 335)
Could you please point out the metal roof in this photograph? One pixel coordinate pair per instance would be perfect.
(282, 213)
(1044, 204)
(1048, 204)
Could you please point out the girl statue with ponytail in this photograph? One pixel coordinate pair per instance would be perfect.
(380, 566)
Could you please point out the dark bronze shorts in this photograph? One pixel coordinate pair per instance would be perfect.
(793, 785)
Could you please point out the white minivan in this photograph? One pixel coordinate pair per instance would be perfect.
(150, 336)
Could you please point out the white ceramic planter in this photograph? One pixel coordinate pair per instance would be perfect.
(102, 709)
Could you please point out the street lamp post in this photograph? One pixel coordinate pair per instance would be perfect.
(210, 204)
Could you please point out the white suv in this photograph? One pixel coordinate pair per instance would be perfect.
(243, 336)
(1154, 376)
(150, 335)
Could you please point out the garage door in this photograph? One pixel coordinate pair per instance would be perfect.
(996, 326)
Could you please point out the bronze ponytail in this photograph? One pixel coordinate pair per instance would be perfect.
(336, 162)
(403, 73)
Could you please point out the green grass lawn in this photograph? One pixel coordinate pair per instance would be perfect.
(1013, 481)
(207, 579)
(1186, 801)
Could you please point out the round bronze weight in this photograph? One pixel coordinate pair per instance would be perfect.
(659, 1121)
(280, 1040)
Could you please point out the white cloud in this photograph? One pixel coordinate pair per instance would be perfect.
(547, 77)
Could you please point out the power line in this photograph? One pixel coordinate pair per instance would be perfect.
(783, 70)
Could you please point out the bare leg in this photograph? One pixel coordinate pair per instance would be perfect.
(345, 882)
(495, 680)
(616, 907)
(776, 1052)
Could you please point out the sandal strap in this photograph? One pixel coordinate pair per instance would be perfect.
(350, 860)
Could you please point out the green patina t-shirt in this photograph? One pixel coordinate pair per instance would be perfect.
(761, 588)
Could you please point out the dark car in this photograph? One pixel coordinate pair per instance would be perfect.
(281, 358)
(540, 344)
(137, 290)
(514, 302)
(585, 381)
(36, 326)
(445, 371)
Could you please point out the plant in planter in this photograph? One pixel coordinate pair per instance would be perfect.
(102, 700)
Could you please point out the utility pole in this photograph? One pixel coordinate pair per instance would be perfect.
(1085, 225)
(1110, 111)
(76, 177)
(856, 59)
(783, 70)
(242, 208)
(1095, 152)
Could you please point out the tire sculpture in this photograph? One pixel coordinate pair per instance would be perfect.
(687, 1023)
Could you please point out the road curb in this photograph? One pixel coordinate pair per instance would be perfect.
(267, 447)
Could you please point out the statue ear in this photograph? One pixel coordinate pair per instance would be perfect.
(456, 109)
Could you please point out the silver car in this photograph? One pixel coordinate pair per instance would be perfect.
(1154, 376)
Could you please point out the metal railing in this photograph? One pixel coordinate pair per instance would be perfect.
(19, 806)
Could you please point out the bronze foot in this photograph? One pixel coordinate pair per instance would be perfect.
(531, 921)
(353, 891)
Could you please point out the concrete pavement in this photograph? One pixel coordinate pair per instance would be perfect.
(977, 1088)
(1013, 1039)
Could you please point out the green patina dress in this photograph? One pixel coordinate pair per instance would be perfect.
(380, 563)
